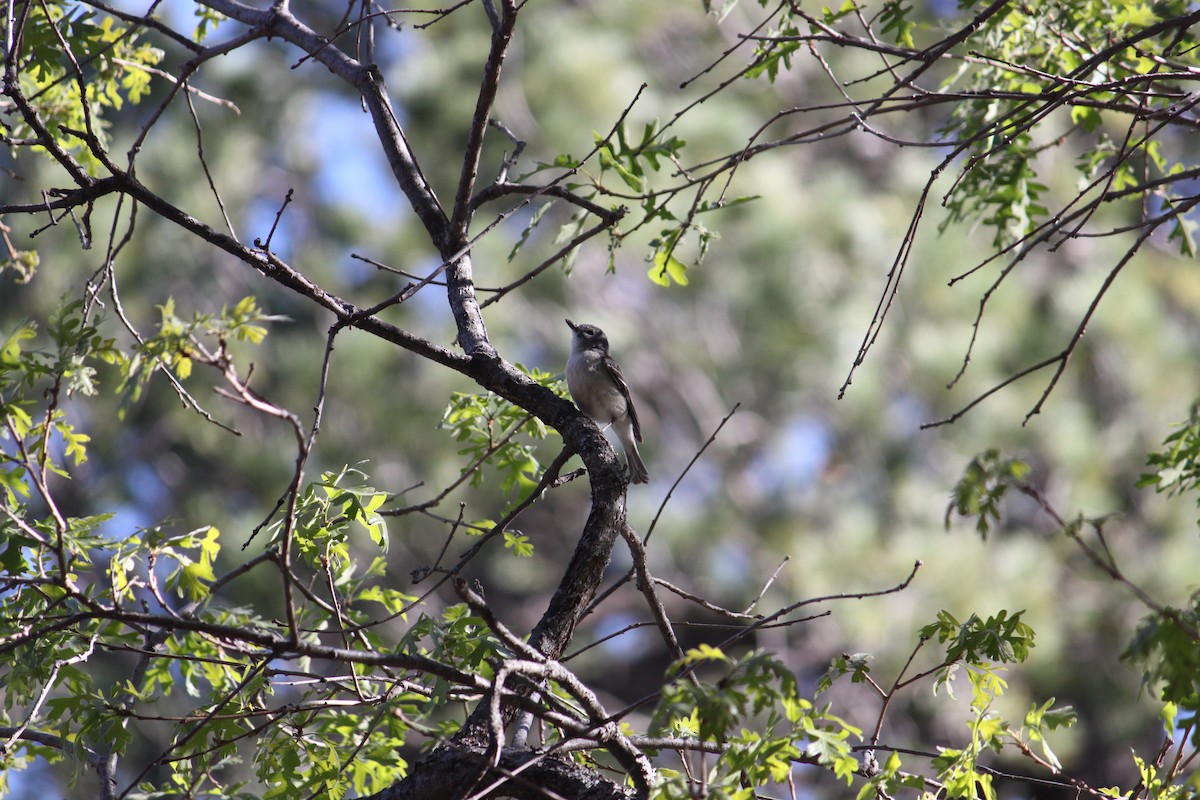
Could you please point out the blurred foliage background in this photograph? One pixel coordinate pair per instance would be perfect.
(849, 492)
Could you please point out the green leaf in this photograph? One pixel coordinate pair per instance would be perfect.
(518, 543)
(534, 219)
(771, 56)
(1086, 117)
(10, 351)
(609, 161)
(704, 652)
(391, 599)
(984, 483)
(76, 443)
(829, 16)
(666, 268)
(14, 483)
(12, 560)
(894, 17)
(1168, 714)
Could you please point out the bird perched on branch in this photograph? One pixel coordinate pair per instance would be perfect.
(600, 391)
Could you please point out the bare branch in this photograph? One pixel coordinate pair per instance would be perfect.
(502, 33)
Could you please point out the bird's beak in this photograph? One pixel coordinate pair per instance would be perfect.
(570, 324)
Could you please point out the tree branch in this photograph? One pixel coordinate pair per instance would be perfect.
(502, 34)
(450, 772)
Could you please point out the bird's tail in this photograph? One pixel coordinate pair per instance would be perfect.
(637, 470)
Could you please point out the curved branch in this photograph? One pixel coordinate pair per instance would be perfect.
(279, 21)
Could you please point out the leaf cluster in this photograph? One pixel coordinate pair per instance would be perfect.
(488, 427)
(77, 66)
(985, 482)
(755, 707)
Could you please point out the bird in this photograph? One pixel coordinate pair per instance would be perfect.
(599, 389)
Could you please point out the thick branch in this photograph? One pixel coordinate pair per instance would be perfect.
(401, 159)
(453, 771)
(280, 22)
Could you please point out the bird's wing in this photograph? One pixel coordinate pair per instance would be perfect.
(614, 371)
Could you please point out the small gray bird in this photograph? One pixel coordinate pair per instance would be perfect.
(600, 391)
